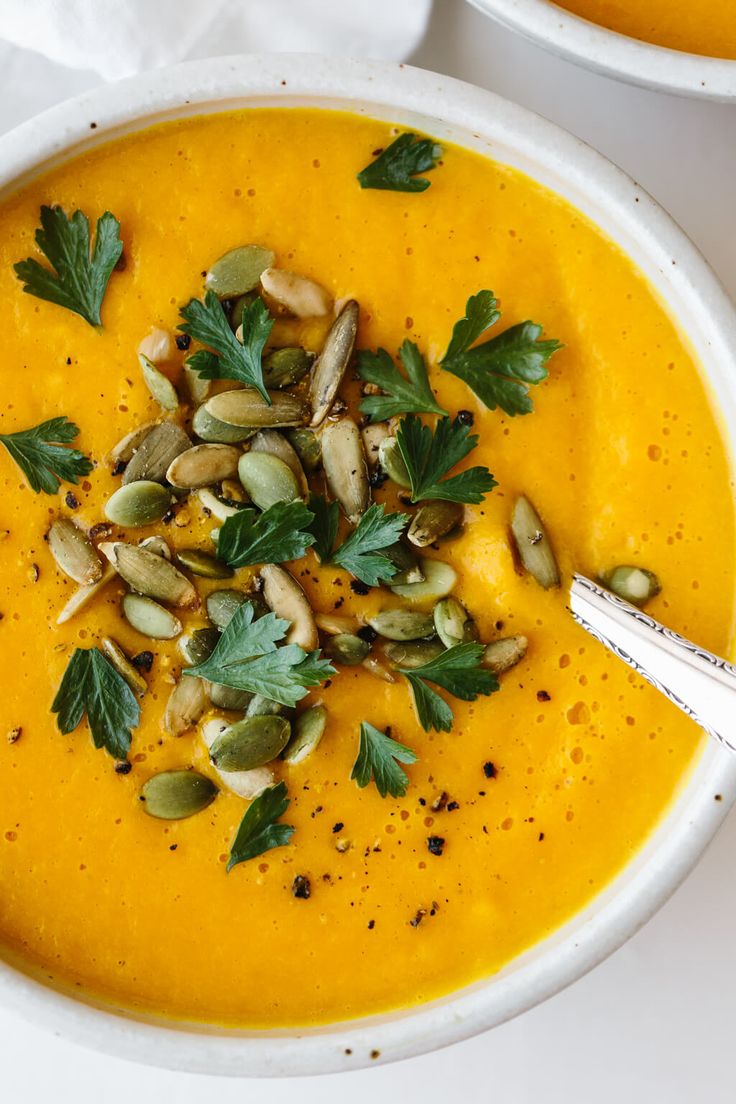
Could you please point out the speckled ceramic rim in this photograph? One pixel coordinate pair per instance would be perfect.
(456, 112)
(615, 55)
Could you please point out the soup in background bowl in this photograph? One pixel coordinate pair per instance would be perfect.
(326, 880)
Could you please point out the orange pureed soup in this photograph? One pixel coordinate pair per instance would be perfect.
(705, 27)
(542, 791)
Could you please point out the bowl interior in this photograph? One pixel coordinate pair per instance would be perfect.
(479, 121)
(613, 54)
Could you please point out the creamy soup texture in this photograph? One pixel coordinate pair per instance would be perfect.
(705, 27)
(550, 785)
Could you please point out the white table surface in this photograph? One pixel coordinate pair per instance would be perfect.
(652, 1023)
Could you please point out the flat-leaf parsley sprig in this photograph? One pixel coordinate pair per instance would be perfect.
(428, 455)
(500, 370)
(280, 533)
(378, 759)
(207, 322)
(41, 454)
(362, 553)
(79, 275)
(409, 394)
(247, 658)
(258, 831)
(456, 670)
(395, 168)
(91, 685)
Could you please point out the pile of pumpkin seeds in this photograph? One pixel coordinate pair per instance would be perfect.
(228, 448)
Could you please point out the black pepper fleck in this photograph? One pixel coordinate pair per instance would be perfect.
(366, 633)
(71, 500)
(465, 417)
(338, 827)
(489, 770)
(435, 844)
(453, 805)
(119, 467)
(301, 887)
(543, 696)
(540, 837)
(358, 587)
(371, 925)
(143, 661)
(377, 478)
(183, 341)
(173, 846)
(123, 767)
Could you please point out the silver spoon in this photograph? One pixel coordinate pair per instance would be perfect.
(701, 684)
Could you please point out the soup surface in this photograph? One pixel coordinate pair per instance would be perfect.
(550, 785)
(701, 27)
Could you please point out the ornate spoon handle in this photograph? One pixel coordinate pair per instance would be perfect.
(698, 682)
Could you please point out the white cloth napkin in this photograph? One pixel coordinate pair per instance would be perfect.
(116, 38)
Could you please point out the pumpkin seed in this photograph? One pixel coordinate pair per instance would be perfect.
(150, 575)
(160, 386)
(413, 653)
(334, 623)
(157, 345)
(452, 623)
(198, 646)
(392, 462)
(285, 367)
(250, 743)
(238, 271)
(247, 408)
(85, 594)
(222, 606)
(402, 624)
(405, 560)
(307, 446)
(149, 618)
(229, 697)
(345, 467)
(247, 784)
(332, 362)
(73, 552)
(532, 543)
(124, 667)
(379, 670)
(127, 445)
(373, 435)
(213, 430)
(296, 294)
(501, 655)
(176, 794)
(267, 479)
(198, 387)
(308, 729)
(633, 584)
(263, 707)
(219, 509)
(156, 451)
(187, 702)
(286, 599)
(347, 649)
(233, 491)
(433, 521)
(203, 564)
(273, 443)
(158, 546)
(439, 580)
(138, 504)
(203, 465)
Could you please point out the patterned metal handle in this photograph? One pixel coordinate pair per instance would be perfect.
(706, 684)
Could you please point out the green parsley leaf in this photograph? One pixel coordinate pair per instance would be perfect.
(360, 553)
(428, 455)
(91, 685)
(247, 657)
(280, 533)
(77, 279)
(395, 167)
(456, 670)
(326, 516)
(411, 395)
(378, 759)
(258, 831)
(206, 322)
(500, 370)
(39, 454)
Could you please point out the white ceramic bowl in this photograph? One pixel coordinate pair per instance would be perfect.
(615, 55)
(455, 112)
